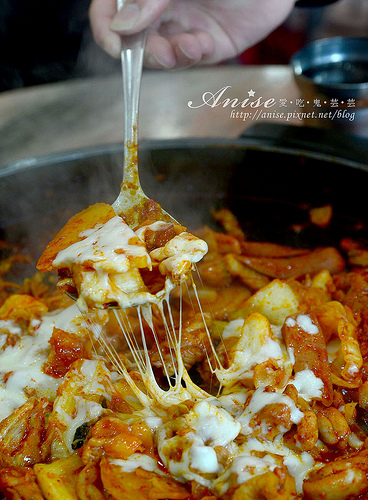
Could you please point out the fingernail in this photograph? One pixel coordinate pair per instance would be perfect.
(112, 45)
(184, 52)
(126, 18)
(153, 61)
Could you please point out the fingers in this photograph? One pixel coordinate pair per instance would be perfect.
(108, 25)
(192, 48)
(159, 53)
(137, 15)
(101, 13)
(179, 51)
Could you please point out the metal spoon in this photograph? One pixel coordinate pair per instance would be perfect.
(132, 203)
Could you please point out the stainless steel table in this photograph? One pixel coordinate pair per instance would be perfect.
(76, 114)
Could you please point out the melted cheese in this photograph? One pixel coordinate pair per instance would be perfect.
(105, 264)
(308, 385)
(204, 459)
(260, 398)
(256, 343)
(298, 464)
(21, 363)
(178, 255)
(208, 426)
(304, 321)
(247, 466)
(112, 246)
(212, 424)
(137, 460)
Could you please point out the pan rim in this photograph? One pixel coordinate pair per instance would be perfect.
(348, 154)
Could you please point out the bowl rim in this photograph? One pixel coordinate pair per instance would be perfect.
(318, 44)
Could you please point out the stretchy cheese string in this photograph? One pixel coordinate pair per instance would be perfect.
(147, 312)
(212, 347)
(176, 392)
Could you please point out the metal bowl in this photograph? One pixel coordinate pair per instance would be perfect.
(253, 175)
(334, 67)
(333, 72)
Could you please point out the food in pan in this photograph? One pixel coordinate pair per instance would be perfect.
(248, 380)
(104, 262)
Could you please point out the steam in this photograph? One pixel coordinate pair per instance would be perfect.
(37, 200)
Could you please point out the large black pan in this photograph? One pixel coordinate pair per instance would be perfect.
(270, 177)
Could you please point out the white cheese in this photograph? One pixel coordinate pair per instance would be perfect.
(290, 322)
(204, 459)
(178, 255)
(22, 363)
(304, 321)
(137, 460)
(105, 264)
(107, 247)
(259, 400)
(307, 384)
(233, 328)
(8, 327)
(253, 347)
(85, 411)
(212, 424)
(247, 466)
(75, 404)
(298, 464)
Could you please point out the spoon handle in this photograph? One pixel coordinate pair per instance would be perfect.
(132, 62)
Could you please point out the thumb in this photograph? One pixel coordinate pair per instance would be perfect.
(137, 15)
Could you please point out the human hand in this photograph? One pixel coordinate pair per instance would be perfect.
(182, 33)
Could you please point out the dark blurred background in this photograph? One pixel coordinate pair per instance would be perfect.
(44, 41)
